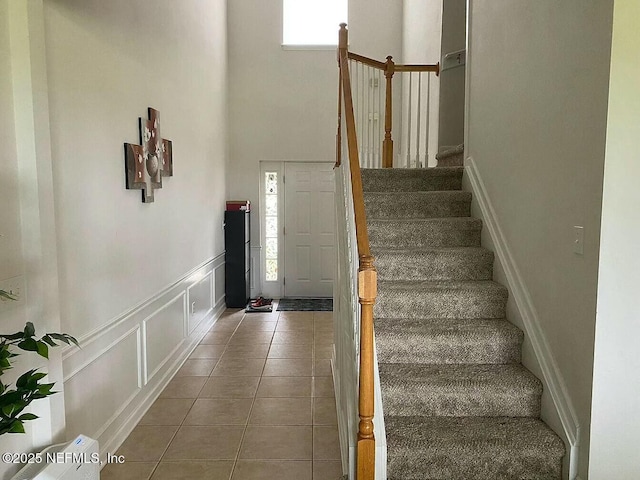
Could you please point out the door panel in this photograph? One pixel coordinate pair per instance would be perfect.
(309, 253)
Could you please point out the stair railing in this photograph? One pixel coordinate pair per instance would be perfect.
(356, 278)
(371, 105)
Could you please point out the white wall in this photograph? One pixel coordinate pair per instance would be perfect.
(615, 421)
(283, 103)
(454, 20)
(421, 43)
(99, 264)
(537, 105)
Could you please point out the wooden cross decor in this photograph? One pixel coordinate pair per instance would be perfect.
(148, 162)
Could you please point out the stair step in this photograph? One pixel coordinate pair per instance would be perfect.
(440, 299)
(411, 179)
(459, 390)
(452, 203)
(472, 448)
(457, 263)
(429, 233)
(447, 341)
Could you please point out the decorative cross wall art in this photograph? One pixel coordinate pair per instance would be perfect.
(148, 162)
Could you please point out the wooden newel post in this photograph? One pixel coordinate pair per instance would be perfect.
(367, 291)
(387, 144)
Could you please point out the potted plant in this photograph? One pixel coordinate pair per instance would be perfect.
(28, 387)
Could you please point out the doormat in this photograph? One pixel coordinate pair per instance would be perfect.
(305, 305)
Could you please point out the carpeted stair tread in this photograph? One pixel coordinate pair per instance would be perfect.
(447, 341)
(411, 179)
(459, 390)
(472, 448)
(444, 263)
(451, 203)
(429, 232)
(440, 299)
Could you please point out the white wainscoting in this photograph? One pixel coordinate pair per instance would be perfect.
(122, 367)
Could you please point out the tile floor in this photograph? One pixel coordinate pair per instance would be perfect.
(254, 401)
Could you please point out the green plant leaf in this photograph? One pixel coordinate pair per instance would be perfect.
(48, 339)
(24, 378)
(27, 416)
(42, 349)
(16, 427)
(29, 330)
(7, 295)
(13, 336)
(28, 344)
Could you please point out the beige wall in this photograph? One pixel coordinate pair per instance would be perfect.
(107, 62)
(75, 77)
(615, 417)
(284, 102)
(537, 108)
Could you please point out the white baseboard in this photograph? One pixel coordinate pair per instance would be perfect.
(123, 366)
(551, 373)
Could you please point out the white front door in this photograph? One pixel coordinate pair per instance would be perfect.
(308, 230)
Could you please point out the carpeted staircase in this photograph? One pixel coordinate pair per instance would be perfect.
(458, 404)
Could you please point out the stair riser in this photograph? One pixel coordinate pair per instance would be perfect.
(434, 266)
(472, 466)
(414, 181)
(424, 234)
(412, 205)
(450, 350)
(459, 402)
(480, 303)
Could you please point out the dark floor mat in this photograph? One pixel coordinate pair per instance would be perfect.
(305, 304)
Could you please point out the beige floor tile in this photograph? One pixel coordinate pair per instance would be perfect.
(281, 411)
(284, 387)
(295, 337)
(205, 443)
(327, 470)
(127, 471)
(323, 316)
(243, 367)
(146, 443)
(272, 469)
(322, 367)
(323, 339)
(324, 352)
(287, 367)
(230, 387)
(323, 387)
(216, 338)
(326, 444)
(261, 317)
(167, 411)
(290, 351)
(296, 315)
(250, 338)
(219, 411)
(324, 411)
(207, 351)
(264, 326)
(277, 443)
(288, 325)
(224, 326)
(183, 387)
(199, 367)
(259, 350)
(194, 470)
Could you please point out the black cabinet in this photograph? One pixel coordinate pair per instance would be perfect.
(237, 244)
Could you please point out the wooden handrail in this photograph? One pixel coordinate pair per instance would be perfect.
(435, 67)
(367, 276)
(367, 61)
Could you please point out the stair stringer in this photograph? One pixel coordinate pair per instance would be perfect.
(557, 407)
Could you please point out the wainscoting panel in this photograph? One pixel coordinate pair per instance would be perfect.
(200, 301)
(162, 334)
(124, 365)
(106, 385)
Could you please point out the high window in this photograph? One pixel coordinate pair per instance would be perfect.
(312, 22)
